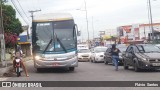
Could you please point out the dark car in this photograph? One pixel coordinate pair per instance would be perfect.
(108, 57)
(143, 56)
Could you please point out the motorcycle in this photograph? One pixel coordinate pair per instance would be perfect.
(18, 67)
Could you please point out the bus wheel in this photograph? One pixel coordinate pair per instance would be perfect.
(71, 68)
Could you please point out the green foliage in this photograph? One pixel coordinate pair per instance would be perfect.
(10, 22)
(12, 26)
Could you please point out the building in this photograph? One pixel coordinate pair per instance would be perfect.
(138, 33)
(25, 42)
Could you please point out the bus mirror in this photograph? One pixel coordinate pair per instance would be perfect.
(79, 33)
(76, 29)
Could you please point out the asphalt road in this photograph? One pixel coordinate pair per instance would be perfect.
(87, 71)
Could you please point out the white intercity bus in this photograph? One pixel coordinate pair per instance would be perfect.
(54, 41)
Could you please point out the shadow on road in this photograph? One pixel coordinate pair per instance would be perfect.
(145, 70)
(54, 70)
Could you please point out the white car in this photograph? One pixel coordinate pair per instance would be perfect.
(84, 55)
(158, 45)
(98, 54)
(82, 46)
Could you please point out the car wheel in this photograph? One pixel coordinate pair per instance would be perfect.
(136, 69)
(39, 69)
(94, 61)
(105, 62)
(91, 60)
(71, 68)
(125, 66)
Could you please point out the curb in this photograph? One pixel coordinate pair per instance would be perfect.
(6, 69)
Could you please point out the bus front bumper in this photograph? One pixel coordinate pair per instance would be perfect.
(56, 64)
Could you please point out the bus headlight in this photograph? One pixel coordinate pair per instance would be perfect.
(144, 59)
(37, 57)
(71, 56)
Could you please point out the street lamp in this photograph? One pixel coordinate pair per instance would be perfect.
(86, 18)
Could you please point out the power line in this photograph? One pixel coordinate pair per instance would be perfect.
(22, 9)
(19, 12)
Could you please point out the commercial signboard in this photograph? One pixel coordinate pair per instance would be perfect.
(135, 29)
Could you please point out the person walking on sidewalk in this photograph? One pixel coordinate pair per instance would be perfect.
(115, 56)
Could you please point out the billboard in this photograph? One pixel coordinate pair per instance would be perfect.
(135, 28)
(127, 29)
(120, 31)
(136, 33)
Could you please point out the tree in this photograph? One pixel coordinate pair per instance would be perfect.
(10, 39)
(12, 25)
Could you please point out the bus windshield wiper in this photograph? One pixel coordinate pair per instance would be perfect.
(47, 45)
(61, 43)
(54, 46)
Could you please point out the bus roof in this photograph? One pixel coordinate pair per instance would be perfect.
(52, 17)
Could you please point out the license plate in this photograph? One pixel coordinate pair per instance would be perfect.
(85, 58)
(156, 64)
(55, 64)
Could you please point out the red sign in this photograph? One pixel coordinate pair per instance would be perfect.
(136, 33)
(127, 29)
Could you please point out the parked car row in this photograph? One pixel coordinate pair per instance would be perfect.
(138, 56)
(94, 55)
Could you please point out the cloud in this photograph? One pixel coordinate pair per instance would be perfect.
(107, 14)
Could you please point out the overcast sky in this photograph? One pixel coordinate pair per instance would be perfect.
(107, 14)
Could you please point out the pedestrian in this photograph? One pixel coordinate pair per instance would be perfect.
(115, 56)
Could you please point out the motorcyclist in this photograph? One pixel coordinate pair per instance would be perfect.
(18, 54)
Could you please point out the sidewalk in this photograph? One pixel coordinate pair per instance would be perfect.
(9, 65)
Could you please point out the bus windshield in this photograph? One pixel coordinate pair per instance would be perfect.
(58, 36)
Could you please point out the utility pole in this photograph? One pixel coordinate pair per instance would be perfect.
(93, 32)
(2, 36)
(32, 16)
(93, 27)
(150, 12)
(32, 12)
(144, 32)
(86, 19)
